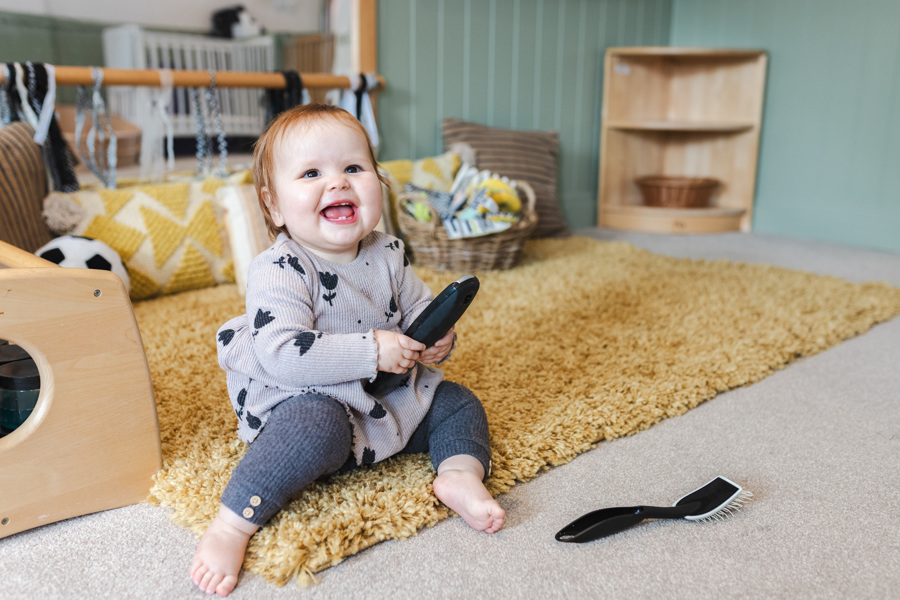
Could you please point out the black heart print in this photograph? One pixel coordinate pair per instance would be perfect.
(304, 341)
(263, 318)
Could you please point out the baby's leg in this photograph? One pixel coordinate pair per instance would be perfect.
(306, 437)
(455, 433)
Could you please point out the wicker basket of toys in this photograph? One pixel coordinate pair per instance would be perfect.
(433, 247)
(676, 192)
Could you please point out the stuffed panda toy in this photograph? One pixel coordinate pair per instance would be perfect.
(85, 253)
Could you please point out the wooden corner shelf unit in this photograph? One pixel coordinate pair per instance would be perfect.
(680, 111)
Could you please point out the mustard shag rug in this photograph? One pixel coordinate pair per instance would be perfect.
(584, 341)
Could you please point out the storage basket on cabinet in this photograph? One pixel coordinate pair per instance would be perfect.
(676, 192)
(432, 247)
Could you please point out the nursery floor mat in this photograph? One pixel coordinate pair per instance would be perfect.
(584, 341)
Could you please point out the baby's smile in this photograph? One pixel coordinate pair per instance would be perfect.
(342, 212)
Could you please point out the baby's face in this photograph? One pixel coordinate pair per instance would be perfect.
(327, 191)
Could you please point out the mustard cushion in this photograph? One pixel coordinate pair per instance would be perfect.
(170, 236)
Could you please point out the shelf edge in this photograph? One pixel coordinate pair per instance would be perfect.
(687, 52)
(710, 127)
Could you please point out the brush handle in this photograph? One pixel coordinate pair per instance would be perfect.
(607, 521)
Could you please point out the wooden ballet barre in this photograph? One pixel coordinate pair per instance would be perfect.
(182, 78)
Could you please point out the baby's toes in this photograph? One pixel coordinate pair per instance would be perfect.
(229, 582)
(203, 581)
(498, 515)
(198, 570)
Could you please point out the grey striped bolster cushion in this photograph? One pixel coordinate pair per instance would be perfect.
(23, 185)
(530, 156)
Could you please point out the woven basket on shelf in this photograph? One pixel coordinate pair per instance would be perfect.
(432, 247)
(676, 192)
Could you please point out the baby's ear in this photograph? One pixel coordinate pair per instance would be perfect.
(271, 203)
(268, 198)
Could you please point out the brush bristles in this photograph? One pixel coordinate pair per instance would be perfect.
(726, 510)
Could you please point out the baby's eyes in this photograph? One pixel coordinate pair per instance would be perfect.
(311, 173)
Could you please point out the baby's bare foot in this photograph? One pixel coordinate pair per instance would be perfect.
(220, 553)
(461, 489)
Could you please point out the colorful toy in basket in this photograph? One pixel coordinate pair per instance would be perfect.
(478, 203)
(501, 193)
(480, 223)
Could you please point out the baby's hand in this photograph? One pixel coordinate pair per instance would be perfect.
(396, 352)
(439, 351)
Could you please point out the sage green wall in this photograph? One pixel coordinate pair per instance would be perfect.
(519, 64)
(50, 40)
(829, 163)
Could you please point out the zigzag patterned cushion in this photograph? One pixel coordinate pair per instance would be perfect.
(170, 236)
(23, 185)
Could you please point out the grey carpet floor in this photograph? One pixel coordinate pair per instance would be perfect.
(817, 443)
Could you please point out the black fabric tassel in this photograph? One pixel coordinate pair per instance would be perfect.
(12, 94)
(280, 100)
(58, 156)
(360, 93)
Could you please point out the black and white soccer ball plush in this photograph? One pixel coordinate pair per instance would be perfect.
(85, 253)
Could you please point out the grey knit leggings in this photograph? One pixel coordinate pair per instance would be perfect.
(308, 437)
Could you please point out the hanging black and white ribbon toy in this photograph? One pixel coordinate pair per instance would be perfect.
(100, 130)
(358, 103)
(30, 95)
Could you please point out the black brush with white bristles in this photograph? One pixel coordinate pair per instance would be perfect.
(714, 501)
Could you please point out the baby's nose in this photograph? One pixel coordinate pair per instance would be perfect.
(338, 182)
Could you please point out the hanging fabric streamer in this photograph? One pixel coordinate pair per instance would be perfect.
(296, 93)
(42, 89)
(30, 95)
(100, 131)
(157, 156)
(101, 123)
(14, 112)
(57, 154)
(204, 159)
(215, 116)
(358, 103)
(208, 119)
(274, 103)
(5, 108)
(293, 94)
(26, 112)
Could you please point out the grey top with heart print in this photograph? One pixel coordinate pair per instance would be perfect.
(309, 328)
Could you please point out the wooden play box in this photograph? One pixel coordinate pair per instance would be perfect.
(92, 441)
